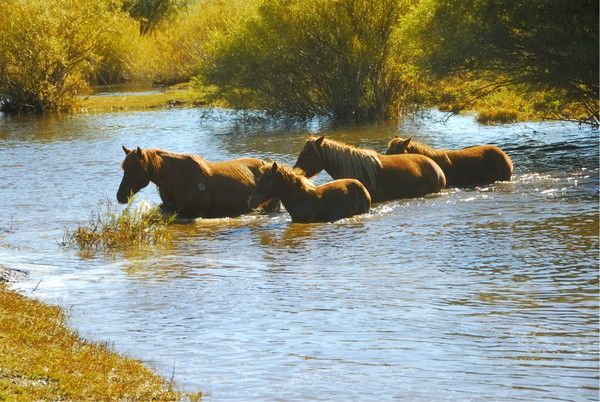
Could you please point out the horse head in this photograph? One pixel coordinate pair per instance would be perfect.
(310, 160)
(398, 145)
(135, 174)
(266, 188)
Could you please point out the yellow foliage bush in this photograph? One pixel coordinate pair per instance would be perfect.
(50, 48)
(173, 52)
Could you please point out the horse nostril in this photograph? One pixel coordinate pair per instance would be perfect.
(121, 199)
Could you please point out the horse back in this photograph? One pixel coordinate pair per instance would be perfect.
(342, 198)
(409, 175)
(478, 165)
(245, 170)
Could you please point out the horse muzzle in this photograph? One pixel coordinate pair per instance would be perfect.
(122, 199)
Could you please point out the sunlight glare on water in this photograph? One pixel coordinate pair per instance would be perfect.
(484, 293)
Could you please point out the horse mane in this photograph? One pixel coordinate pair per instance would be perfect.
(415, 147)
(155, 159)
(420, 148)
(348, 161)
(291, 175)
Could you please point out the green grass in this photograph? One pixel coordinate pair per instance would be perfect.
(498, 115)
(181, 95)
(42, 359)
(110, 228)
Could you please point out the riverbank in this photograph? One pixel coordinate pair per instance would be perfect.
(506, 106)
(42, 359)
(180, 96)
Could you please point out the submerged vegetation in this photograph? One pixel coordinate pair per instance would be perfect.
(348, 59)
(109, 229)
(42, 359)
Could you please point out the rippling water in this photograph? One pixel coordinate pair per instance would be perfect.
(484, 293)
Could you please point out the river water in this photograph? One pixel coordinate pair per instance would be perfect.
(488, 293)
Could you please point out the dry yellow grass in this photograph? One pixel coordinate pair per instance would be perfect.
(42, 359)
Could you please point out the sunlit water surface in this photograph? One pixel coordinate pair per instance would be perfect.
(484, 293)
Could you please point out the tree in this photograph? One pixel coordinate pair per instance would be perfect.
(150, 13)
(50, 48)
(543, 45)
(312, 57)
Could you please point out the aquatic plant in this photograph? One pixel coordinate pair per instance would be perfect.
(109, 228)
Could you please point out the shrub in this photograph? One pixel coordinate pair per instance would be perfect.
(311, 57)
(179, 46)
(536, 45)
(110, 229)
(50, 48)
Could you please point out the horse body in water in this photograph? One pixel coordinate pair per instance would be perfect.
(469, 166)
(191, 186)
(306, 202)
(386, 177)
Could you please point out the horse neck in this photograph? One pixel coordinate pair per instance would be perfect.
(440, 156)
(159, 160)
(333, 164)
(154, 164)
(333, 169)
(293, 190)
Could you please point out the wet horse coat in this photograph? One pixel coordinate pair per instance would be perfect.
(386, 177)
(481, 164)
(190, 185)
(306, 202)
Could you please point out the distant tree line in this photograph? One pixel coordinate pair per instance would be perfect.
(348, 59)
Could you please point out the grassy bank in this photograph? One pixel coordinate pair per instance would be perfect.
(176, 96)
(506, 106)
(42, 359)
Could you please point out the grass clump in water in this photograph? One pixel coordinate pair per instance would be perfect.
(502, 115)
(109, 228)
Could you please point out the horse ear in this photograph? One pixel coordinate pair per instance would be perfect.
(138, 151)
(406, 142)
(396, 136)
(319, 140)
(274, 167)
(126, 150)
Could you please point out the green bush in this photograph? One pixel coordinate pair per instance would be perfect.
(50, 48)
(311, 57)
(535, 46)
(179, 46)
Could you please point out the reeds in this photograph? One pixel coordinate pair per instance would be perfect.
(109, 228)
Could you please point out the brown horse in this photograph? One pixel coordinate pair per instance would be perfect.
(191, 186)
(306, 202)
(469, 166)
(386, 177)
